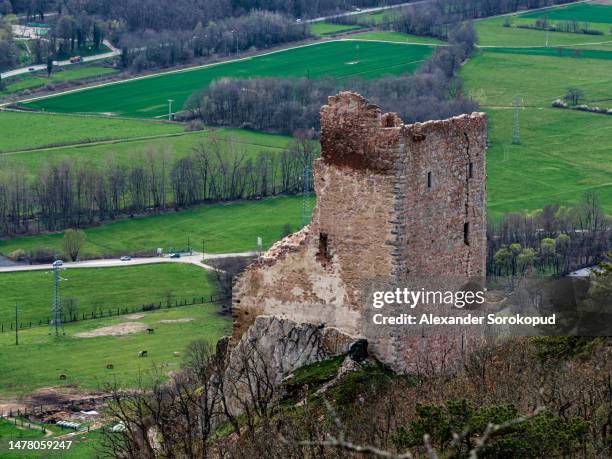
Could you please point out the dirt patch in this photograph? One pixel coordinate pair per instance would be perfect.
(134, 316)
(62, 395)
(114, 330)
(176, 321)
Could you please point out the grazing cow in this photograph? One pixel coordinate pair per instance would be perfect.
(150, 330)
(177, 354)
(110, 366)
(62, 376)
(142, 354)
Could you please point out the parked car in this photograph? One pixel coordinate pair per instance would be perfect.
(76, 59)
(126, 258)
(58, 263)
(31, 69)
(175, 255)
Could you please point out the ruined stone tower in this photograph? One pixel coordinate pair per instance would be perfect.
(392, 199)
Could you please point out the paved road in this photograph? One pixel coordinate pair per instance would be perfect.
(195, 259)
(96, 57)
(363, 11)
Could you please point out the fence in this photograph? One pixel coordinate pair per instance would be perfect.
(113, 312)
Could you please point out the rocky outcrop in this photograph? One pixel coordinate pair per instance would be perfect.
(271, 349)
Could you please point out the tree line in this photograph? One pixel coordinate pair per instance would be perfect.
(554, 239)
(9, 52)
(435, 18)
(258, 29)
(67, 193)
(282, 105)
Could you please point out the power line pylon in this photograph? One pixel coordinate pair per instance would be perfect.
(56, 309)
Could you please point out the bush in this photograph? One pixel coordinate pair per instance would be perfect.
(43, 255)
(195, 125)
(544, 435)
(18, 255)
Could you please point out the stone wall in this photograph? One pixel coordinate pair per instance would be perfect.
(392, 200)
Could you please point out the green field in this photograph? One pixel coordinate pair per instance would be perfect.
(27, 130)
(321, 29)
(491, 31)
(96, 289)
(36, 80)
(572, 53)
(39, 359)
(496, 78)
(226, 228)
(84, 445)
(563, 153)
(9, 431)
(582, 12)
(385, 35)
(147, 97)
(123, 151)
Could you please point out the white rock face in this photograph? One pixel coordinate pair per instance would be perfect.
(271, 349)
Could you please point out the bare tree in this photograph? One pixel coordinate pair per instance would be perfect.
(73, 243)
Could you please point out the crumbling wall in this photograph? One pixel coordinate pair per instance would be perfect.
(316, 275)
(392, 200)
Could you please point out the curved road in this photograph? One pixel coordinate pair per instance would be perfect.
(96, 57)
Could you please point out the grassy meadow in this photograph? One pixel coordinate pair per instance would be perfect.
(147, 97)
(33, 130)
(40, 358)
(84, 445)
(492, 31)
(37, 80)
(178, 144)
(562, 153)
(225, 228)
(386, 35)
(322, 29)
(96, 289)
(581, 12)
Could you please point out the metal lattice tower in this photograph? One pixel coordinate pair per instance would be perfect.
(56, 309)
(306, 195)
(516, 133)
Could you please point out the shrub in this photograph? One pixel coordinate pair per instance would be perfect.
(18, 255)
(43, 255)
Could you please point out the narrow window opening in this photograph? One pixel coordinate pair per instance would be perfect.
(324, 255)
(466, 233)
(471, 170)
(429, 180)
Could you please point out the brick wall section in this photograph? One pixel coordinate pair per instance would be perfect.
(375, 217)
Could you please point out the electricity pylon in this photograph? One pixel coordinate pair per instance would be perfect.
(56, 309)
